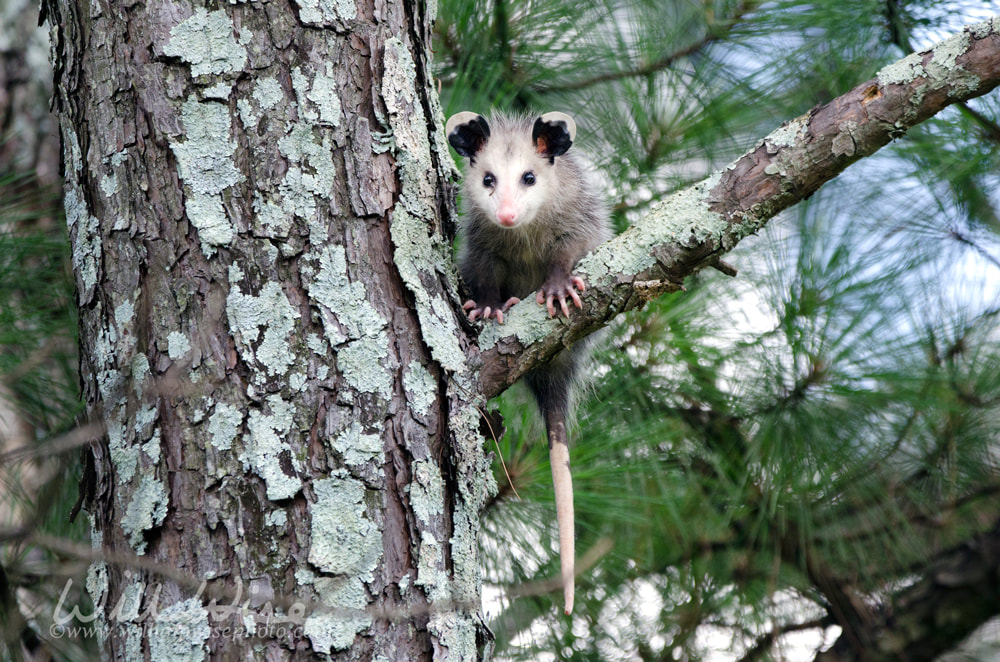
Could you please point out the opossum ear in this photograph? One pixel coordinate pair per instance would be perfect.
(553, 134)
(467, 133)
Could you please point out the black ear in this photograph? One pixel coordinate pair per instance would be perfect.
(553, 134)
(467, 133)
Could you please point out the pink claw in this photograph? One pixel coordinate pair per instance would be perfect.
(475, 312)
(549, 294)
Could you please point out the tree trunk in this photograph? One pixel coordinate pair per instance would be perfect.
(257, 196)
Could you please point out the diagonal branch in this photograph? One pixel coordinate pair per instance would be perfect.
(715, 30)
(692, 228)
(957, 595)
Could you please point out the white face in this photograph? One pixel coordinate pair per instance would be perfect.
(510, 181)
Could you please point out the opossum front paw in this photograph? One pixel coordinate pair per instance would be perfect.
(559, 290)
(476, 311)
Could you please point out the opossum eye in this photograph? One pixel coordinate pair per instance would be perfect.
(528, 178)
(489, 180)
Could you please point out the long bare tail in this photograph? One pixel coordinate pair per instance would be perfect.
(562, 481)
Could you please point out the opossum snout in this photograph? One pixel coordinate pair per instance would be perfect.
(507, 217)
(507, 212)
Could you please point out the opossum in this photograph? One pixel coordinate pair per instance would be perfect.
(532, 209)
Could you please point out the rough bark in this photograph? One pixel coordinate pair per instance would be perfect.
(256, 198)
(693, 228)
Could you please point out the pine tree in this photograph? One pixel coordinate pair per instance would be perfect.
(803, 456)
(805, 450)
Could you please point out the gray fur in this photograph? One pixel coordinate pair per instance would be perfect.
(571, 221)
(561, 218)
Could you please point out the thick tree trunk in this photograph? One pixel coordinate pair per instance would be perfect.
(255, 194)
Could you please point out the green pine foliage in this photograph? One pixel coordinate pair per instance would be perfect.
(757, 455)
(39, 398)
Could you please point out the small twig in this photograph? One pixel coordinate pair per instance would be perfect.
(555, 584)
(724, 267)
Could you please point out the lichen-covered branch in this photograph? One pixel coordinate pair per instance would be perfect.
(692, 228)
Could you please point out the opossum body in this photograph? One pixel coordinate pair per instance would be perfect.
(531, 210)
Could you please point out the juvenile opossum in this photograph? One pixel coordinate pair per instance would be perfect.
(531, 210)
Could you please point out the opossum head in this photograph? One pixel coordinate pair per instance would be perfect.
(513, 174)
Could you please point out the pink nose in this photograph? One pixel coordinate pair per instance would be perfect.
(506, 216)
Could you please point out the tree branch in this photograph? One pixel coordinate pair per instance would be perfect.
(692, 228)
(957, 595)
(714, 31)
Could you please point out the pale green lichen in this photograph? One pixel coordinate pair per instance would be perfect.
(130, 603)
(418, 249)
(124, 314)
(319, 98)
(456, 631)
(109, 184)
(267, 93)
(97, 572)
(902, 71)
(333, 631)
(152, 448)
(788, 134)
(944, 64)
(208, 42)
(359, 449)
(179, 632)
(140, 372)
(357, 362)
(316, 344)
(123, 457)
(946, 53)
(219, 91)
(347, 300)
(85, 229)
(527, 321)
(146, 415)
(177, 346)
(133, 636)
(96, 584)
(347, 543)
(269, 312)
(146, 509)
(942, 68)
(431, 575)
(344, 540)
(301, 149)
(274, 218)
(361, 360)
(426, 491)
(844, 143)
(985, 28)
(420, 388)
(323, 12)
(266, 449)
(206, 164)
(277, 518)
(224, 426)
(465, 553)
